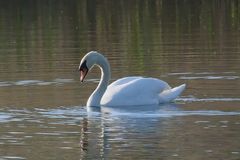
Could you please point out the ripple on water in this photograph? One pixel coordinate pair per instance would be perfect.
(56, 81)
(209, 77)
(164, 111)
(27, 82)
(11, 157)
(5, 117)
(194, 99)
(72, 115)
(206, 75)
(169, 114)
(5, 84)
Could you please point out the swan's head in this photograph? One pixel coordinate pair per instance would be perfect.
(88, 61)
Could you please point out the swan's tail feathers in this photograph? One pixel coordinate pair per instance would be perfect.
(171, 94)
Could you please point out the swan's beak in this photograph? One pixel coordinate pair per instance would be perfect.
(83, 69)
(83, 73)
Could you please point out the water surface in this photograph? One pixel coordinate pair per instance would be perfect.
(42, 102)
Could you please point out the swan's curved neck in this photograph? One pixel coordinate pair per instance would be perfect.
(96, 96)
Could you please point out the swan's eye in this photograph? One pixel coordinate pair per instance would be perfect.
(83, 66)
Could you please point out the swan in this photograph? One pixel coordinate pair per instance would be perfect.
(127, 91)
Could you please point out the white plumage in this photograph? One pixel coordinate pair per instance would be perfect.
(126, 91)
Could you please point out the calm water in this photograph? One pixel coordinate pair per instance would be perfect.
(42, 102)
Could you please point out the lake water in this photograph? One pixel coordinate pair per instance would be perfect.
(42, 102)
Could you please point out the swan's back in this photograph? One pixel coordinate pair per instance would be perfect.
(134, 91)
(123, 81)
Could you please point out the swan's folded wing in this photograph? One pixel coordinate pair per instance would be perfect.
(134, 91)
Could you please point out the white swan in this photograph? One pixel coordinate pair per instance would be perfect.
(126, 91)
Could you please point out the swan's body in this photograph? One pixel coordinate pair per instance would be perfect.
(126, 91)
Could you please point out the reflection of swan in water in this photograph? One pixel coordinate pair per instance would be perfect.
(127, 91)
(92, 138)
(164, 110)
(104, 127)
